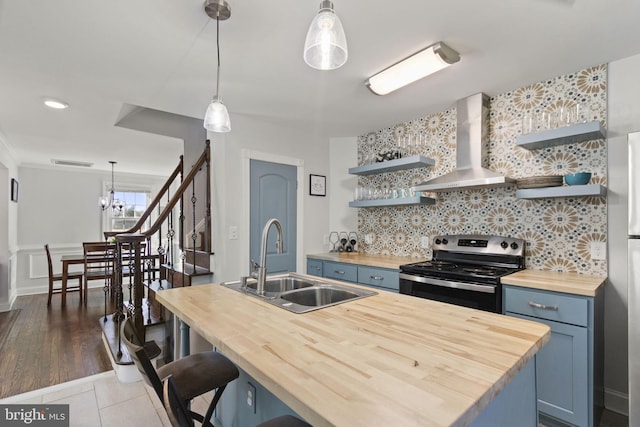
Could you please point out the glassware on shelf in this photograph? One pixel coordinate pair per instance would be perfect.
(333, 240)
(583, 112)
(344, 238)
(528, 123)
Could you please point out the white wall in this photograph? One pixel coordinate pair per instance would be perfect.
(8, 228)
(255, 138)
(59, 206)
(624, 117)
(343, 153)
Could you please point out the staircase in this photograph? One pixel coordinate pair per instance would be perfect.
(157, 253)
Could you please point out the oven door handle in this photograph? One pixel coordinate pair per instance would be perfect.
(488, 289)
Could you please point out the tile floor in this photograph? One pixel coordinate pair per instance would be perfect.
(102, 401)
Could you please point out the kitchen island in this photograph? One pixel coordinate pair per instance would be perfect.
(387, 359)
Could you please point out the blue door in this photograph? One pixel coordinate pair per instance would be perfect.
(273, 189)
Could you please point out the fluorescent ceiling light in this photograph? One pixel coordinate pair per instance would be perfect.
(55, 104)
(427, 61)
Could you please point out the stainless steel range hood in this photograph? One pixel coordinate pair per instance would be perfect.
(471, 151)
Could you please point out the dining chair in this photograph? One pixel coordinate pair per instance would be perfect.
(98, 262)
(53, 278)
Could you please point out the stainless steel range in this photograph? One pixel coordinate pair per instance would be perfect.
(465, 270)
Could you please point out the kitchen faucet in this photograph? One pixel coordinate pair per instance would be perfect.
(260, 270)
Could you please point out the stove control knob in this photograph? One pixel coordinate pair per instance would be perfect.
(514, 246)
(445, 241)
(504, 245)
(438, 241)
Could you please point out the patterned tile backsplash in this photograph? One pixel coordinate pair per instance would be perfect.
(558, 231)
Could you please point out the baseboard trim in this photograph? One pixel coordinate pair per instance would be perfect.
(616, 401)
(35, 290)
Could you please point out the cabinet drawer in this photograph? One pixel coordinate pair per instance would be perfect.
(546, 305)
(340, 271)
(314, 267)
(379, 277)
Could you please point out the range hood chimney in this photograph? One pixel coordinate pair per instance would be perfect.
(471, 150)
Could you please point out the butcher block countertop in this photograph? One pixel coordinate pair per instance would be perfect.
(572, 283)
(384, 360)
(382, 261)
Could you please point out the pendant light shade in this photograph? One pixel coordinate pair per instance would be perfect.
(326, 45)
(216, 118)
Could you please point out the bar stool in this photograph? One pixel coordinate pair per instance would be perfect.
(193, 375)
(58, 278)
(179, 415)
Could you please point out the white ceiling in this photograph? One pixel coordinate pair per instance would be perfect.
(100, 55)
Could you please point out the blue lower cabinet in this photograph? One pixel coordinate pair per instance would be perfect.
(569, 375)
(561, 376)
(376, 277)
(340, 271)
(381, 278)
(314, 267)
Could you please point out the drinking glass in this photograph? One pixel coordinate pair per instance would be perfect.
(543, 121)
(583, 114)
(528, 123)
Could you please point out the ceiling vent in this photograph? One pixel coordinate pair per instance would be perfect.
(71, 163)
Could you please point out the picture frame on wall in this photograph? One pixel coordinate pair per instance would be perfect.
(317, 185)
(14, 190)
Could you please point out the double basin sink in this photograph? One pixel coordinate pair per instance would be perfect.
(298, 293)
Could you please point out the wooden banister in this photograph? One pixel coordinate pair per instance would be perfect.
(177, 196)
(154, 203)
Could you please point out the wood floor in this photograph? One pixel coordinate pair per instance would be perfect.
(43, 346)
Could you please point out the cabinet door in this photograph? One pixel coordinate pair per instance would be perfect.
(314, 267)
(562, 373)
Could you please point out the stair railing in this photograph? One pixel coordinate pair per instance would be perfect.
(144, 266)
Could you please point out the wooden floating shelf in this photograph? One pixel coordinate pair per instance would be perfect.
(596, 190)
(573, 134)
(404, 163)
(401, 201)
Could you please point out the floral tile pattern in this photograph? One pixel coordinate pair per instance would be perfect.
(558, 231)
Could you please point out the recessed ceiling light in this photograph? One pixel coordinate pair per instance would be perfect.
(55, 104)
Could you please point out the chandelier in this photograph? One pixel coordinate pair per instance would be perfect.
(110, 201)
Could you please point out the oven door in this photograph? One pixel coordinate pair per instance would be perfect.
(479, 296)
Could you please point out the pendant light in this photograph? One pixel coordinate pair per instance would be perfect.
(326, 45)
(216, 119)
(106, 201)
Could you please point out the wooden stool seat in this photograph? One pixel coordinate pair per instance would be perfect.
(53, 278)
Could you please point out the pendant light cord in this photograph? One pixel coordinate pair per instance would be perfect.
(218, 48)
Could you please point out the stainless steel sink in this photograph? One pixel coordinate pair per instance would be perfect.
(319, 296)
(300, 294)
(278, 285)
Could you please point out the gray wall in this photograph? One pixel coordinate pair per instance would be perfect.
(59, 206)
